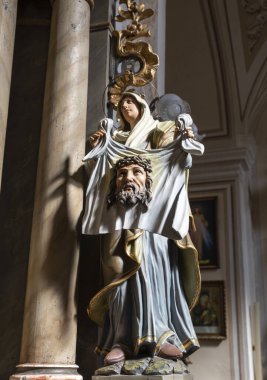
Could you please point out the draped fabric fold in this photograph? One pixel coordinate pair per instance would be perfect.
(168, 212)
(149, 262)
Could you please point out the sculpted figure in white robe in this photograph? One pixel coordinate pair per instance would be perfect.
(150, 266)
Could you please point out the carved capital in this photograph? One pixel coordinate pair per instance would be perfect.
(256, 15)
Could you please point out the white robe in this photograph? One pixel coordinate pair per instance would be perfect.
(169, 210)
(146, 305)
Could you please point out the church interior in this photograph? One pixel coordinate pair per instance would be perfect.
(213, 55)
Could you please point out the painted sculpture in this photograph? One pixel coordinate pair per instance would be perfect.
(137, 201)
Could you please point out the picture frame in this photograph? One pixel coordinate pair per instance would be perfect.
(205, 234)
(208, 315)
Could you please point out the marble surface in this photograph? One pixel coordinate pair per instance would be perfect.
(49, 331)
(44, 376)
(40, 371)
(8, 14)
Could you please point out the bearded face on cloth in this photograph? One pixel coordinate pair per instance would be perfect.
(145, 227)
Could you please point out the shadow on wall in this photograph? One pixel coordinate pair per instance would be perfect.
(89, 279)
(58, 268)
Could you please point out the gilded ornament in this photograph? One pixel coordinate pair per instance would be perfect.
(139, 51)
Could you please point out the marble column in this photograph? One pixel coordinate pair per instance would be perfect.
(8, 14)
(49, 330)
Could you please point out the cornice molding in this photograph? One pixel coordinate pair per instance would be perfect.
(230, 163)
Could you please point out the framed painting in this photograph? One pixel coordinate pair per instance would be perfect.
(208, 315)
(205, 235)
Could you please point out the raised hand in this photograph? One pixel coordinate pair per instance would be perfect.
(96, 137)
(187, 133)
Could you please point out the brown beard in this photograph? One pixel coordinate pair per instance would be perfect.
(129, 199)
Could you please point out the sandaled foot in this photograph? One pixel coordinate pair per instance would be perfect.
(169, 351)
(114, 356)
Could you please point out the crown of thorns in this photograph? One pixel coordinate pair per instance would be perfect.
(143, 162)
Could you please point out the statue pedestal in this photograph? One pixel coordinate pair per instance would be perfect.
(144, 369)
(184, 376)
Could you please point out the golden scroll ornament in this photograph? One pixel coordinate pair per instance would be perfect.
(138, 51)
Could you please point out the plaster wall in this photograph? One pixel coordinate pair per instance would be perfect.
(258, 195)
(208, 63)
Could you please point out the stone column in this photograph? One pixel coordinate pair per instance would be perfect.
(49, 331)
(8, 14)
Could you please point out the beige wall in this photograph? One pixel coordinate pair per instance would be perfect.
(213, 64)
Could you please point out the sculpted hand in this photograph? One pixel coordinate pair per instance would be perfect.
(188, 133)
(96, 137)
(184, 124)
